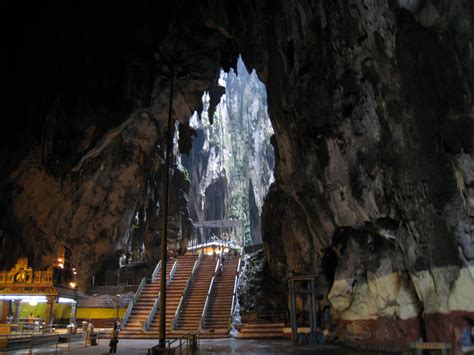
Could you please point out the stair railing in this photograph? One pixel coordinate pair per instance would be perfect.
(151, 315)
(175, 319)
(234, 293)
(211, 288)
(132, 303)
(172, 272)
(155, 273)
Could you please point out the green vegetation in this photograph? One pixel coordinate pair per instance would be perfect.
(238, 145)
(244, 129)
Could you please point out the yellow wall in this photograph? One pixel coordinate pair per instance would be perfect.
(63, 311)
(39, 309)
(3, 311)
(99, 313)
(60, 310)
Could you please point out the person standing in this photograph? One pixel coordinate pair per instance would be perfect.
(90, 333)
(30, 321)
(114, 338)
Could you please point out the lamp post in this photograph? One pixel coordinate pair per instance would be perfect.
(117, 303)
(74, 310)
(72, 285)
(164, 235)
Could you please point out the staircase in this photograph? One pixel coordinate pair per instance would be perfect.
(218, 315)
(143, 305)
(262, 330)
(194, 303)
(219, 306)
(174, 293)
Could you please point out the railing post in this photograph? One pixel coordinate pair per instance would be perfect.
(156, 271)
(175, 320)
(234, 293)
(211, 286)
(132, 303)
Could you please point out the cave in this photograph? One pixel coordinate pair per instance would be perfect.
(371, 109)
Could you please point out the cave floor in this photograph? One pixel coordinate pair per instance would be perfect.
(209, 346)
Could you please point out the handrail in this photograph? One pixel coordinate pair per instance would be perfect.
(151, 314)
(234, 293)
(132, 303)
(156, 271)
(32, 342)
(172, 272)
(211, 286)
(190, 340)
(174, 320)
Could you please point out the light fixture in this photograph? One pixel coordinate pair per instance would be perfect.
(66, 300)
(23, 298)
(72, 284)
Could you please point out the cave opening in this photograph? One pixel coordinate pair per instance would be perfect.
(230, 165)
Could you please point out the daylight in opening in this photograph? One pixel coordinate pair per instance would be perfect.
(231, 163)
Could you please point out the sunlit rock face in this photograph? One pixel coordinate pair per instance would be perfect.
(231, 162)
(371, 104)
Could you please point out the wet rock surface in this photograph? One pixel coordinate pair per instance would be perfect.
(256, 282)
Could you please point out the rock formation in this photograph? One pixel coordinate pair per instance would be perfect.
(371, 105)
(256, 283)
(231, 163)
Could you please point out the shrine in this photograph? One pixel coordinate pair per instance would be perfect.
(27, 294)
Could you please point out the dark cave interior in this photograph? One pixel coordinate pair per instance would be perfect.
(372, 112)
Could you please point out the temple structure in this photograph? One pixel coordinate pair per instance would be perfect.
(26, 294)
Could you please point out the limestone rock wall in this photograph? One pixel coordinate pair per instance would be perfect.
(92, 208)
(256, 282)
(93, 166)
(372, 110)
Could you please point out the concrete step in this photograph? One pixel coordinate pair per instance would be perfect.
(219, 320)
(260, 336)
(264, 325)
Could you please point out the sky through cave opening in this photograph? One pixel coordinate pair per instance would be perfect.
(231, 163)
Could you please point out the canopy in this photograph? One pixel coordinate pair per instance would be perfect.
(215, 243)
